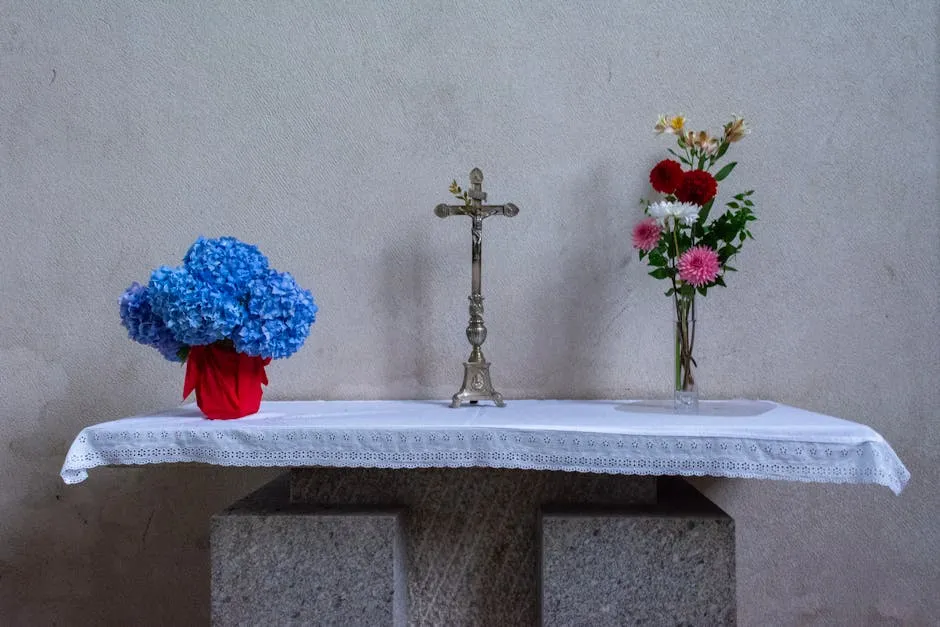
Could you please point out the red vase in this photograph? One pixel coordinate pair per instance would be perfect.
(227, 384)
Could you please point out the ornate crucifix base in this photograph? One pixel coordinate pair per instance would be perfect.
(477, 385)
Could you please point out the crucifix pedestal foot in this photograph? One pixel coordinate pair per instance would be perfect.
(476, 385)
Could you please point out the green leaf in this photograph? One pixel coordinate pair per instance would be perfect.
(660, 273)
(730, 269)
(642, 254)
(720, 281)
(701, 290)
(703, 214)
(670, 291)
(680, 157)
(657, 258)
(725, 171)
(722, 149)
(734, 205)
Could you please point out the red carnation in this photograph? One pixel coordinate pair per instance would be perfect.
(697, 187)
(666, 176)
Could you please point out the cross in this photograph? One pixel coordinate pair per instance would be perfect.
(477, 385)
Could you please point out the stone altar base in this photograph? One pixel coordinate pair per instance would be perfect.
(670, 565)
(466, 547)
(274, 564)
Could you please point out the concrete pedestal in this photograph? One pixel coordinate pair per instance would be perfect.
(465, 547)
(667, 565)
(276, 564)
(471, 534)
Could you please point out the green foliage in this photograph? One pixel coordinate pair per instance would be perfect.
(703, 214)
(725, 171)
(722, 149)
(680, 157)
(459, 193)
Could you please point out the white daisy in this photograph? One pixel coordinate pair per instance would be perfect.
(684, 212)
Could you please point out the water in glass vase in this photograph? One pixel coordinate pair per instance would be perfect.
(686, 393)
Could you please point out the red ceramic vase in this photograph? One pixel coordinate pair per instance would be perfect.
(227, 384)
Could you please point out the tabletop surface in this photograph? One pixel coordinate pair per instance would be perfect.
(741, 438)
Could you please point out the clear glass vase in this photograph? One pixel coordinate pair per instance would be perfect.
(686, 392)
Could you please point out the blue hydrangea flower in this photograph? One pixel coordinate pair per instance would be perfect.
(143, 326)
(226, 263)
(223, 291)
(196, 312)
(279, 315)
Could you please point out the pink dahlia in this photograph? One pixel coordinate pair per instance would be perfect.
(698, 266)
(646, 234)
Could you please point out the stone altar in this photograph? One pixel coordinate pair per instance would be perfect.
(551, 512)
(472, 547)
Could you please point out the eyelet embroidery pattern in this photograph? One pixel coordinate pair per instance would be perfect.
(867, 462)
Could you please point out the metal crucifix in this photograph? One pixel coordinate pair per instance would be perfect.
(477, 385)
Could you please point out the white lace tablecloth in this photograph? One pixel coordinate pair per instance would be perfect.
(751, 439)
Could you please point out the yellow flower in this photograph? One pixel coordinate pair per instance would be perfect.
(454, 188)
(673, 125)
(736, 129)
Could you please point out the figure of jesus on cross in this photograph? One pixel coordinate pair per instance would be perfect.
(477, 385)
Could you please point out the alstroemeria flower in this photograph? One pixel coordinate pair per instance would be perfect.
(673, 125)
(736, 129)
(704, 142)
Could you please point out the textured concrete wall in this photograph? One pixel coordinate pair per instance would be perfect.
(327, 132)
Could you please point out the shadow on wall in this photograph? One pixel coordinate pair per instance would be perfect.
(126, 547)
(403, 294)
(590, 295)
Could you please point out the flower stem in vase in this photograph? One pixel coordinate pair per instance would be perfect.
(686, 393)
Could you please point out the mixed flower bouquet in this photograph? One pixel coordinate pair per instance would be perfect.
(226, 314)
(679, 241)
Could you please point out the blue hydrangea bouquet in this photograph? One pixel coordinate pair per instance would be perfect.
(224, 313)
